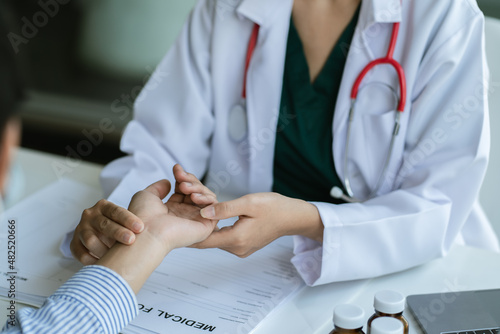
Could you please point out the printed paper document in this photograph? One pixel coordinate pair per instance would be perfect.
(192, 291)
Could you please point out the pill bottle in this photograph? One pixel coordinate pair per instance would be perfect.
(391, 304)
(348, 319)
(387, 325)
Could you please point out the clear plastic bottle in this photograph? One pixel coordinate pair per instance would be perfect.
(391, 304)
(387, 325)
(348, 319)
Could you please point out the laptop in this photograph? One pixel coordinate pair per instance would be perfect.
(461, 312)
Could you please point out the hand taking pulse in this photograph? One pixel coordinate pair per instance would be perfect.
(263, 218)
(106, 223)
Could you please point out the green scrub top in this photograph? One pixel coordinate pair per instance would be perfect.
(303, 158)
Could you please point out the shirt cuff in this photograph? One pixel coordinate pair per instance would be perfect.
(105, 293)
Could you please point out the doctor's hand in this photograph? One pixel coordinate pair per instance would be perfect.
(263, 217)
(106, 223)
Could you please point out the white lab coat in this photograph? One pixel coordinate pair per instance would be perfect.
(429, 198)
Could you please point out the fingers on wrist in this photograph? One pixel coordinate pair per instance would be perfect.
(137, 226)
(87, 259)
(118, 215)
(92, 244)
(113, 230)
(81, 254)
(104, 215)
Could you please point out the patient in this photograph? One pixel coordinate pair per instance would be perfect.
(100, 298)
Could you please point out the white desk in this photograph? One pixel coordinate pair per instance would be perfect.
(311, 310)
(40, 169)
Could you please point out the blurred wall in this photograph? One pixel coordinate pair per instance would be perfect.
(124, 37)
(88, 59)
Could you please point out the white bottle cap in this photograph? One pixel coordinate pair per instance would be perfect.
(348, 316)
(387, 325)
(390, 302)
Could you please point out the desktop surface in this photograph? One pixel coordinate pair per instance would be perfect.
(310, 311)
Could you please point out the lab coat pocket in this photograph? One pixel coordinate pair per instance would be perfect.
(370, 141)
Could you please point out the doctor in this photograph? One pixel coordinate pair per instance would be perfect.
(282, 124)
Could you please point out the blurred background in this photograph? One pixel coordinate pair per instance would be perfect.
(87, 60)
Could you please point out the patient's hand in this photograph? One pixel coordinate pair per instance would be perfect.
(106, 223)
(172, 229)
(163, 232)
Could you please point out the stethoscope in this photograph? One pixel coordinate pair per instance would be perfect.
(238, 113)
(238, 127)
(336, 192)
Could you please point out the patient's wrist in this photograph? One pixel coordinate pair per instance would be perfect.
(154, 243)
(137, 261)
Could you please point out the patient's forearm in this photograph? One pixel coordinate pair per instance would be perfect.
(136, 262)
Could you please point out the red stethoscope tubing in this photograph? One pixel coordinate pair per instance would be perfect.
(388, 59)
(251, 48)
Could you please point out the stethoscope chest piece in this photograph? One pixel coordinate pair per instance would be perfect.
(237, 119)
(238, 123)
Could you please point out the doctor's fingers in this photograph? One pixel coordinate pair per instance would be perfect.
(202, 200)
(196, 188)
(243, 206)
(199, 194)
(231, 240)
(195, 193)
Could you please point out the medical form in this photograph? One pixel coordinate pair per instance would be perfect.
(192, 291)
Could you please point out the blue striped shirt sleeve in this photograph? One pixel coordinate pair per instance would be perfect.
(94, 300)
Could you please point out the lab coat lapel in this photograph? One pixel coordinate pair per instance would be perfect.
(369, 42)
(380, 11)
(261, 11)
(264, 85)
